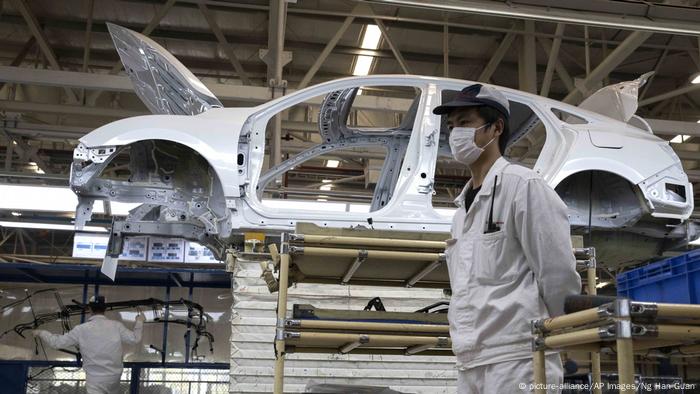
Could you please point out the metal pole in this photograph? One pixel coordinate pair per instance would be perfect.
(135, 378)
(281, 316)
(165, 324)
(595, 356)
(625, 365)
(540, 373)
(189, 320)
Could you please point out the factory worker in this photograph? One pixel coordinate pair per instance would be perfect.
(509, 257)
(100, 343)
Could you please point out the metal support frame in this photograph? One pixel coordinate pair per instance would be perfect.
(446, 51)
(553, 54)
(629, 45)
(361, 258)
(393, 47)
(527, 64)
(281, 314)
(221, 38)
(41, 40)
(497, 56)
(276, 58)
(326, 51)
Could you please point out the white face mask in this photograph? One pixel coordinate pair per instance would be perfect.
(462, 144)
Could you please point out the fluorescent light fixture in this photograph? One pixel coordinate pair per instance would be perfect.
(16, 213)
(326, 181)
(601, 285)
(311, 205)
(698, 121)
(47, 226)
(332, 163)
(362, 65)
(50, 199)
(370, 39)
(32, 163)
(321, 199)
(696, 79)
(680, 138)
(326, 187)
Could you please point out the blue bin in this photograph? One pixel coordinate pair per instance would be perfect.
(672, 280)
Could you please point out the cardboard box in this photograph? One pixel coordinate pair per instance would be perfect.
(166, 250)
(90, 245)
(196, 253)
(135, 249)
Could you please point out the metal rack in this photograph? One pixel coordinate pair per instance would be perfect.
(371, 258)
(623, 326)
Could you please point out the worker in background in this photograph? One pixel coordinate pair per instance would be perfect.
(510, 256)
(100, 343)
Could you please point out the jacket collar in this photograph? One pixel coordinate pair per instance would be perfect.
(487, 185)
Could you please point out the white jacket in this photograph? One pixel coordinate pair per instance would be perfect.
(100, 343)
(502, 280)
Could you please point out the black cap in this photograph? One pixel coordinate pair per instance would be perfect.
(476, 95)
(98, 301)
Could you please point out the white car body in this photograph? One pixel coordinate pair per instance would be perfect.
(231, 142)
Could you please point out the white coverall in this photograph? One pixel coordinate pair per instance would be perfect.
(502, 280)
(100, 343)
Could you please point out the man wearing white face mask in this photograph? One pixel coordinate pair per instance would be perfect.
(509, 257)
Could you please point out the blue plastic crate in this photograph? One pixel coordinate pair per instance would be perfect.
(673, 280)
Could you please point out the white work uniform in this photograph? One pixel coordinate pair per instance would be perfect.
(100, 343)
(502, 280)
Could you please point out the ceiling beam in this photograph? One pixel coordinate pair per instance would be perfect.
(527, 56)
(394, 48)
(617, 56)
(497, 57)
(553, 56)
(325, 52)
(620, 15)
(221, 38)
(118, 83)
(670, 94)
(38, 33)
(564, 76)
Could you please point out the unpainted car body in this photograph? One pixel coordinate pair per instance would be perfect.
(197, 169)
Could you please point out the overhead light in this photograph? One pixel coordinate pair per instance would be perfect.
(326, 187)
(50, 226)
(370, 39)
(14, 142)
(321, 199)
(332, 163)
(696, 79)
(39, 171)
(322, 196)
(362, 65)
(16, 213)
(32, 163)
(680, 138)
(326, 181)
(52, 199)
(601, 285)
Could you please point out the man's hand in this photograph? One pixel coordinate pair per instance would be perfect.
(141, 318)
